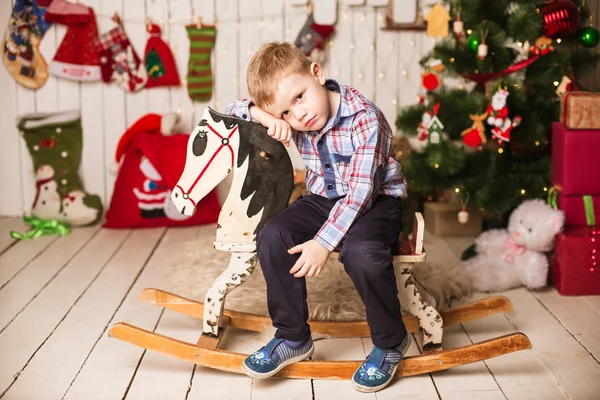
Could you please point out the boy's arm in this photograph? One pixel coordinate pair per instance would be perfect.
(366, 173)
(277, 128)
(240, 108)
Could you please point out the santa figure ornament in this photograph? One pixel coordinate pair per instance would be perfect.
(498, 110)
(503, 133)
(498, 116)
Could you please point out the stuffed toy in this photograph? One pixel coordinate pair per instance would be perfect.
(509, 258)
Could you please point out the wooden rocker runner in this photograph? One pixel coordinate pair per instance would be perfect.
(261, 187)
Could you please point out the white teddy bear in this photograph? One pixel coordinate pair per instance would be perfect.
(508, 258)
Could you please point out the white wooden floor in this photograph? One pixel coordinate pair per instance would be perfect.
(59, 297)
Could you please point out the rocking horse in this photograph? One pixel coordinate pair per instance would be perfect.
(261, 187)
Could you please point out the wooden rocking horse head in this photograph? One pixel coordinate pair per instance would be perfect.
(262, 174)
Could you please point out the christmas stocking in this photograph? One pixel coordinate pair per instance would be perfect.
(160, 65)
(54, 141)
(312, 36)
(118, 60)
(199, 78)
(21, 55)
(76, 57)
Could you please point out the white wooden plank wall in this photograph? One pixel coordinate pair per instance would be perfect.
(382, 64)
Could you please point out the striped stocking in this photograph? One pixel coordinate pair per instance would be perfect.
(199, 78)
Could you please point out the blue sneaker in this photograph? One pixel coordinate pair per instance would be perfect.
(271, 358)
(379, 367)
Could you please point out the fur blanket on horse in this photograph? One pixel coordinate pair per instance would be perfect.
(331, 295)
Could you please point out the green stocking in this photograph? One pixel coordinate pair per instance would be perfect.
(199, 78)
(55, 141)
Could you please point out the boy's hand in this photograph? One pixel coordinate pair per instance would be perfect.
(278, 129)
(311, 261)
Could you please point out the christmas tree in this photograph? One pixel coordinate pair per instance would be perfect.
(513, 59)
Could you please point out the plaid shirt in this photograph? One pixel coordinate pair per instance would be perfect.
(351, 158)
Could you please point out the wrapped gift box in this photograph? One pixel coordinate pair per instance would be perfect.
(575, 165)
(441, 219)
(575, 271)
(580, 110)
(575, 207)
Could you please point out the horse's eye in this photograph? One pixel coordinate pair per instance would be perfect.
(200, 142)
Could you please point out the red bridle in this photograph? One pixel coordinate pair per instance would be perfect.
(224, 143)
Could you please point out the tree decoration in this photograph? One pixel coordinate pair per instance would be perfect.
(429, 130)
(560, 18)
(563, 86)
(437, 21)
(430, 79)
(498, 110)
(435, 126)
(458, 27)
(473, 42)
(543, 46)
(521, 51)
(475, 135)
(503, 133)
(498, 116)
(482, 49)
(589, 36)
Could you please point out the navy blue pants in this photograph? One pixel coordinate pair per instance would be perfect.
(366, 255)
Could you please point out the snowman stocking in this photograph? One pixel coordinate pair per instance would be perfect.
(21, 55)
(54, 141)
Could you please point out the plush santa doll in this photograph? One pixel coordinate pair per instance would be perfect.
(498, 110)
(503, 133)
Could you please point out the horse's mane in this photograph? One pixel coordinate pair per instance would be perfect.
(270, 180)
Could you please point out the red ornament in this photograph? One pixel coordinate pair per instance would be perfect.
(472, 138)
(560, 18)
(431, 81)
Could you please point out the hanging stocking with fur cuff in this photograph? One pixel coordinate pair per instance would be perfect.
(55, 141)
(76, 57)
(26, 28)
(312, 36)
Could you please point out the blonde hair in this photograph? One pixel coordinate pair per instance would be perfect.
(272, 62)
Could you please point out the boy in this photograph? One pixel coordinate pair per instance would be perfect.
(355, 188)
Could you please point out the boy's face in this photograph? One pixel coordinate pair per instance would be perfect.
(302, 100)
